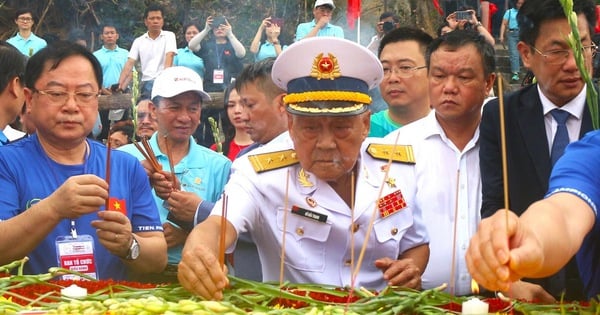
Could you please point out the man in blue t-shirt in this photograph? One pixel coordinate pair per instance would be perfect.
(112, 58)
(56, 186)
(320, 25)
(25, 41)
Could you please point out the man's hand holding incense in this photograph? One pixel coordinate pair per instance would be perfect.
(79, 195)
(183, 205)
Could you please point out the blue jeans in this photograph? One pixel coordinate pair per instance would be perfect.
(515, 59)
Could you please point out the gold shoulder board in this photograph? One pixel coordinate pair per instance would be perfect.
(272, 160)
(402, 153)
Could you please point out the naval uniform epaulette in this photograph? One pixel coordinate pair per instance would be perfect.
(401, 153)
(272, 160)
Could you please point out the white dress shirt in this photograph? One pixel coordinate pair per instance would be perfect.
(448, 187)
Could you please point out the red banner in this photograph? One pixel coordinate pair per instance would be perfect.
(353, 12)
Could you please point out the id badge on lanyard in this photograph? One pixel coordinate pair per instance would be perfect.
(76, 253)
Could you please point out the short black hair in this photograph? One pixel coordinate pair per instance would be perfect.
(534, 12)
(402, 34)
(55, 53)
(259, 72)
(24, 11)
(388, 14)
(154, 7)
(462, 38)
(124, 126)
(12, 63)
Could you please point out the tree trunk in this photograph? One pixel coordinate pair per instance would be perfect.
(427, 17)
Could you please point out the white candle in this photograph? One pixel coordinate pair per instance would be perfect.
(474, 306)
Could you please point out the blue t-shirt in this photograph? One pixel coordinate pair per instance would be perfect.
(112, 62)
(28, 46)
(186, 58)
(511, 16)
(3, 138)
(578, 172)
(266, 50)
(329, 30)
(28, 175)
(202, 171)
(382, 124)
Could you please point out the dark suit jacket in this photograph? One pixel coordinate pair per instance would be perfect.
(527, 153)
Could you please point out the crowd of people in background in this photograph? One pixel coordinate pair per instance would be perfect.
(295, 112)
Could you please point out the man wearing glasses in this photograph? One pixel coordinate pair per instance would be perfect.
(404, 86)
(541, 119)
(461, 72)
(25, 41)
(56, 186)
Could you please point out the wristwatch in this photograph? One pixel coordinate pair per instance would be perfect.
(134, 250)
(478, 25)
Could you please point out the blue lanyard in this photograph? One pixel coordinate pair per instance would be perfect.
(219, 51)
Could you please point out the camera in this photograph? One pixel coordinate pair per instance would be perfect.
(463, 15)
(277, 21)
(387, 26)
(218, 21)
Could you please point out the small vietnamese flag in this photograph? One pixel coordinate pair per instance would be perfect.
(353, 12)
(117, 205)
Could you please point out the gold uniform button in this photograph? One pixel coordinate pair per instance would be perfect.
(300, 231)
(348, 262)
(394, 231)
(355, 227)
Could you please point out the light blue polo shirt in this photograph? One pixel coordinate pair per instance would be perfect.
(112, 62)
(202, 171)
(185, 57)
(28, 46)
(329, 30)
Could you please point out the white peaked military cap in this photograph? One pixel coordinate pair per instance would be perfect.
(327, 76)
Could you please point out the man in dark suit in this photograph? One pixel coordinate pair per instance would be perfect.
(531, 126)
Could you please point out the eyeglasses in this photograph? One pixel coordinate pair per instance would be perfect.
(25, 19)
(560, 56)
(401, 71)
(61, 97)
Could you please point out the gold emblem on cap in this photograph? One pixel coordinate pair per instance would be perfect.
(311, 202)
(303, 178)
(325, 67)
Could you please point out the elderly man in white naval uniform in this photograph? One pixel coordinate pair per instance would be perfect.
(327, 192)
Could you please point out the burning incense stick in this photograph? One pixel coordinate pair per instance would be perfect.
(223, 231)
(285, 207)
(107, 177)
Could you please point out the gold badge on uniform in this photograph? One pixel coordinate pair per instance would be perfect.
(325, 67)
(390, 204)
(311, 202)
(304, 178)
(391, 182)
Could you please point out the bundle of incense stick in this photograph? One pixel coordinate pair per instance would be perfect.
(171, 166)
(148, 153)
